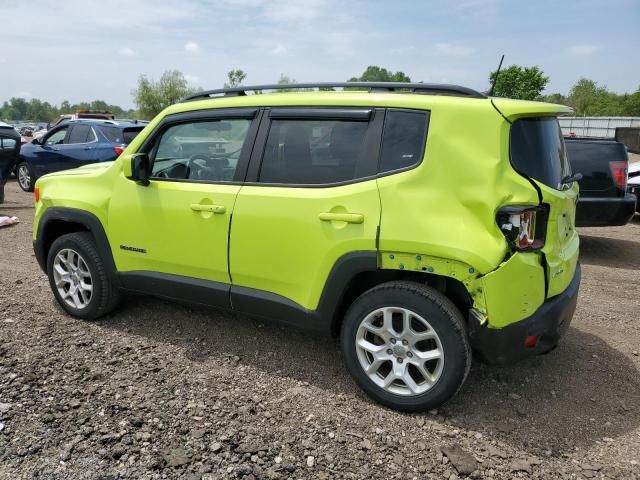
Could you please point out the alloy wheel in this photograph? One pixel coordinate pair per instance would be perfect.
(72, 278)
(399, 351)
(24, 179)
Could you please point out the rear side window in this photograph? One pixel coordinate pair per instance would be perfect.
(538, 150)
(403, 139)
(80, 134)
(308, 152)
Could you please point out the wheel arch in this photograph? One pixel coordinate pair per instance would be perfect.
(357, 272)
(58, 221)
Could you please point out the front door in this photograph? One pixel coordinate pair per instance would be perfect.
(175, 231)
(312, 200)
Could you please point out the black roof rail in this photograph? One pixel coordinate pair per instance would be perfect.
(372, 87)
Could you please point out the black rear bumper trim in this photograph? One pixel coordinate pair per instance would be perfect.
(550, 322)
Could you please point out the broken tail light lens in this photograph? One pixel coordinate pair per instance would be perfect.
(524, 227)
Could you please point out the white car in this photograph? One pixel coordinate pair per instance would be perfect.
(633, 183)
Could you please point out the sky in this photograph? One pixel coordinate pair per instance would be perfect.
(83, 50)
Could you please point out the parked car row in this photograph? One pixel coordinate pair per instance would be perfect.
(72, 144)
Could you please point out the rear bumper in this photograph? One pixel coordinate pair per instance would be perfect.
(550, 322)
(602, 212)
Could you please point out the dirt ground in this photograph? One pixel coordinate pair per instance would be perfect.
(159, 390)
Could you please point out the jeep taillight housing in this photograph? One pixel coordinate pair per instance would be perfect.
(524, 227)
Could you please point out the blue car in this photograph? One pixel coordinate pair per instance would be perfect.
(72, 144)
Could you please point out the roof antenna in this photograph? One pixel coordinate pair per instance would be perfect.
(495, 78)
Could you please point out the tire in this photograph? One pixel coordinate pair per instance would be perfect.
(76, 254)
(25, 177)
(437, 328)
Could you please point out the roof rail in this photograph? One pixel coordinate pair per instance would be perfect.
(371, 87)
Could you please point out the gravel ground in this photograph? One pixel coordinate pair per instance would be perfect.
(159, 390)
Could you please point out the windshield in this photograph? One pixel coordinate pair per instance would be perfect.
(538, 150)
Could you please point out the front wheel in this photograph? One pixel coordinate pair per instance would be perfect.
(406, 346)
(78, 277)
(25, 177)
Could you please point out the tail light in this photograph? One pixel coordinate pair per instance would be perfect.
(119, 149)
(524, 227)
(36, 194)
(619, 173)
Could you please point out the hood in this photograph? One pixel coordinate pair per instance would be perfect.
(84, 170)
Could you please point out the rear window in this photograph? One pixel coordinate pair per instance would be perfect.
(120, 135)
(538, 150)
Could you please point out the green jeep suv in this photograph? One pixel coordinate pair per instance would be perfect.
(416, 222)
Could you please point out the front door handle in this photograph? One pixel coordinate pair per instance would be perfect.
(341, 217)
(201, 207)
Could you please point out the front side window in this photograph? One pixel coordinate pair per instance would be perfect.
(57, 137)
(203, 150)
(308, 152)
(403, 139)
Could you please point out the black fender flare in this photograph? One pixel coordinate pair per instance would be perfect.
(53, 216)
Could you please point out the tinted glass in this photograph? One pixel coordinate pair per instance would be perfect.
(113, 134)
(79, 134)
(130, 133)
(313, 151)
(206, 151)
(538, 151)
(57, 137)
(403, 139)
(7, 143)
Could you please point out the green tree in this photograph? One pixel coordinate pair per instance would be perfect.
(151, 97)
(235, 78)
(587, 97)
(377, 74)
(525, 83)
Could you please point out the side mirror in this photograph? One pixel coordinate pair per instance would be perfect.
(35, 141)
(137, 167)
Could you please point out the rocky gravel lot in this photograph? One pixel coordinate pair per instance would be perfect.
(160, 390)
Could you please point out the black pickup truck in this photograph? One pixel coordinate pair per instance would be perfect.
(603, 163)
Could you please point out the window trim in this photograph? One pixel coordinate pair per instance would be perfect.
(372, 142)
(253, 114)
(422, 154)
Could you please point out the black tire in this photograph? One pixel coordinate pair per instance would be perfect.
(25, 183)
(445, 319)
(104, 296)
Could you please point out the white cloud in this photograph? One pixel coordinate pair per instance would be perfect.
(193, 79)
(191, 47)
(127, 52)
(584, 50)
(453, 50)
(279, 49)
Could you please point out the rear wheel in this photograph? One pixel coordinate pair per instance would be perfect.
(406, 345)
(78, 277)
(25, 177)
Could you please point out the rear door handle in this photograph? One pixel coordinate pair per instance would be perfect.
(201, 207)
(341, 217)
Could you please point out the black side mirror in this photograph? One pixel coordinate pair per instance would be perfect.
(36, 141)
(139, 167)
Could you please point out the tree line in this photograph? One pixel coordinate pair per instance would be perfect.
(151, 96)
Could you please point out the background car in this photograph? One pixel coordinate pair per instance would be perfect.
(603, 163)
(9, 148)
(72, 144)
(634, 182)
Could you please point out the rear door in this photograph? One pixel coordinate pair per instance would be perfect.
(538, 151)
(309, 199)
(79, 148)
